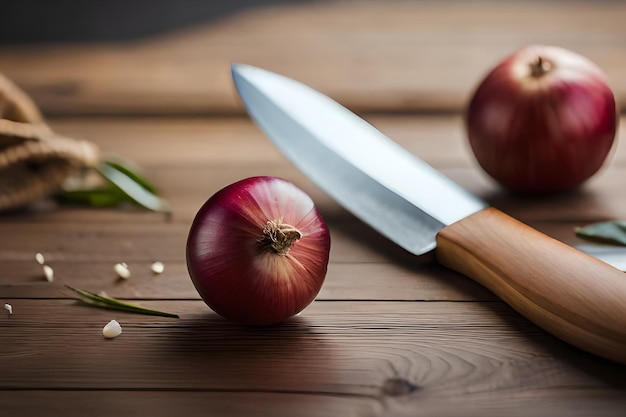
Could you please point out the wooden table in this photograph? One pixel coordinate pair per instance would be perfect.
(388, 335)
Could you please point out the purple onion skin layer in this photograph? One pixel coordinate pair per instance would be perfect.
(547, 133)
(234, 274)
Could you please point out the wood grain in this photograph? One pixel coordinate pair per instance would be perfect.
(372, 56)
(370, 356)
(136, 403)
(342, 348)
(219, 151)
(390, 334)
(363, 265)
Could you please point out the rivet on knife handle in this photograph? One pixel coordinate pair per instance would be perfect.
(569, 294)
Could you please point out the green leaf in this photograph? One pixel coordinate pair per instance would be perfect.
(132, 189)
(97, 197)
(612, 232)
(113, 181)
(96, 300)
(130, 170)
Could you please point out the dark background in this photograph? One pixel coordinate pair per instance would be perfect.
(28, 21)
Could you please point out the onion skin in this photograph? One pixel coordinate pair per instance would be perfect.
(240, 277)
(542, 127)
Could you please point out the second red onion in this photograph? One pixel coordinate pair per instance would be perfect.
(543, 120)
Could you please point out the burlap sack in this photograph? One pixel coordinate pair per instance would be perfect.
(34, 161)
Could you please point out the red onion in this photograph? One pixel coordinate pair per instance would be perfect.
(258, 251)
(543, 120)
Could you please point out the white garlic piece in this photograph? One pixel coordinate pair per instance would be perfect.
(112, 329)
(122, 270)
(9, 308)
(158, 267)
(40, 258)
(48, 272)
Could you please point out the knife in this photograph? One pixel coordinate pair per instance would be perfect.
(568, 293)
(612, 255)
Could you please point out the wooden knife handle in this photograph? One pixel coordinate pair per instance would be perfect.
(568, 293)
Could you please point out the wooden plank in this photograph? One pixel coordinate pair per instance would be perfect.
(169, 141)
(438, 350)
(156, 403)
(190, 159)
(145, 243)
(377, 56)
(361, 268)
(141, 243)
(599, 199)
(135, 403)
(344, 281)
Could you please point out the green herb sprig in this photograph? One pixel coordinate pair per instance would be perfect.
(95, 300)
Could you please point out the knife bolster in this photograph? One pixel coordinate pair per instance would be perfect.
(568, 293)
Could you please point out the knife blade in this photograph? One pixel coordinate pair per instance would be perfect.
(612, 255)
(568, 293)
